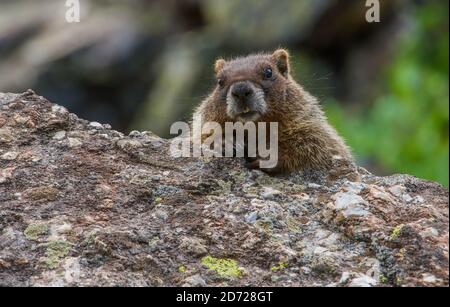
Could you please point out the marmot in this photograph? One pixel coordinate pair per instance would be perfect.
(259, 88)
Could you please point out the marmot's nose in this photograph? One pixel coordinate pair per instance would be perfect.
(241, 91)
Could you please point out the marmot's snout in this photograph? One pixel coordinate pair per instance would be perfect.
(245, 101)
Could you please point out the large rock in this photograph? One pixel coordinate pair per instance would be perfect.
(84, 205)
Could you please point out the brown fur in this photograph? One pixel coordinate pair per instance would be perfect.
(306, 140)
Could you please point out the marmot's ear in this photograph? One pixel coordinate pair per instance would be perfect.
(281, 59)
(219, 65)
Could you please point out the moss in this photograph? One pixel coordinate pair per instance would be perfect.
(182, 269)
(396, 232)
(34, 231)
(56, 250)
(280, 266)
(223, 267)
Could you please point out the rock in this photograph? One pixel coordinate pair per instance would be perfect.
(429, 278)
(21, 119)
(10, 155)
(251, 217)
(363, 281)
(153, 243)
(72, 270)
(129, 144)
(270, 193)
(380, 193)
(313, 185)
(134, 134)
(121, 211)
(60, 229)
(59, 109)
(96, 125)
(194, 281)
(5, 136)
(320, 250)
(374, 270)
(59, 135)
(6, 174)
(397, 190)
(407, 198)
(355, 187)
(418, 199)
(429, 232)
(161, 214)
(344, 278)
(350, 204)
(74, 142)
(193, 246)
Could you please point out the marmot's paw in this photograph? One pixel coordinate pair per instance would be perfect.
(252, 163)
(272, 171)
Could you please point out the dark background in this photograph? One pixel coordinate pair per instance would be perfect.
(144, 64)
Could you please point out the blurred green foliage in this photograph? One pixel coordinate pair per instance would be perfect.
(406, 128)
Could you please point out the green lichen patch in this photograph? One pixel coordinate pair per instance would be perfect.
(279, 266)
(34, 231)
(396, 232)
(158, 200)
(182, 269)
(223, 267)
(56, 250)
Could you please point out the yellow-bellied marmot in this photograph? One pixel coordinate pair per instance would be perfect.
(259, 88)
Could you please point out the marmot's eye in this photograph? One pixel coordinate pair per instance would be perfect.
(220, 82)
(268, 73)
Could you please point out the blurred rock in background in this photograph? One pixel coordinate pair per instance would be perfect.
(145, 64)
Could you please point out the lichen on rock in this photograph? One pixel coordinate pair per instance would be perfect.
(226, 268)
(35, 230)
(105, 209)
(56, 250)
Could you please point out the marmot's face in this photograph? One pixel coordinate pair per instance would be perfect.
(249, 87)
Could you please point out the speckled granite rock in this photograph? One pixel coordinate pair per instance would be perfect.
(81, 205)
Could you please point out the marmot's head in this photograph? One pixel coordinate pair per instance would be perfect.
(247, 87)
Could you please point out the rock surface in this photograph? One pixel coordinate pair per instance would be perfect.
(84, 205)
